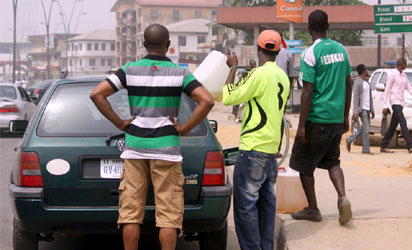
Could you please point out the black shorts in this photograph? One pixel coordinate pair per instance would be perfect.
(322, 151)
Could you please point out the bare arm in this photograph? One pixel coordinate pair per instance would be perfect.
(347, 103)
(205, 104)
(231, 76)
(232, 62)
(306, 104)
(99, 97)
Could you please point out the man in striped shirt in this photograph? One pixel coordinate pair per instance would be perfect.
(154, 85)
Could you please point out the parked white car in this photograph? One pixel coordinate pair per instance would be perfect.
(378, 81)
(15, 104)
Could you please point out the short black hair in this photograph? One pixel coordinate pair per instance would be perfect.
(318, 21)
(268, 52)
(401, 61)
(360, 69)
(156, 36)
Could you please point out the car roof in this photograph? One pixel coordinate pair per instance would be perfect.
(91, 78)
(9, 84)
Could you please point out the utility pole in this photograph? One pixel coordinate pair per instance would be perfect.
(67, 24)
(379, 46)
(403, 40)
(47, 24)
(14, 40)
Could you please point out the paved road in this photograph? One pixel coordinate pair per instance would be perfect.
(8, 158)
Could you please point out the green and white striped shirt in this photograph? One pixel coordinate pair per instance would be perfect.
(154, 85)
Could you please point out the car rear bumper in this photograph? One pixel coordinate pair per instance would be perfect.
(5, 119)
(34, 215)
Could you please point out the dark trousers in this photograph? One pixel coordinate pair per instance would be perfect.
(397, 118)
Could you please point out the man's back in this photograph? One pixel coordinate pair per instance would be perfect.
(265, 90)
(154, 86)
(326, 65)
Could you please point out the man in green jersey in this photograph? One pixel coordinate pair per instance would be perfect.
(325, 103)
(154, 85)
(264, 90)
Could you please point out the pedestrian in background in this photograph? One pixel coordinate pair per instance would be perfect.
(362, 108)
(325, 104)
(265, 90)
(285, 61)
(394, 97)
(154, 85)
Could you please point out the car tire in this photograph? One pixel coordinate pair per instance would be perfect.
(24, 240)
(215, 240)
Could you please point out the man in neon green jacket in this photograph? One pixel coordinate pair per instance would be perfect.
(264, 90)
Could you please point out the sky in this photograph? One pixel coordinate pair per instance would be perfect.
(97, 16)
(30, 18)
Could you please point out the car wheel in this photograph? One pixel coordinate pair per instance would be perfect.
(215, 240)
(24, 240)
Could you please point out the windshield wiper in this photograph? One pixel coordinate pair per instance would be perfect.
(113, 136)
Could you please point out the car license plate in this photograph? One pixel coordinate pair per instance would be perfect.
(111, 168)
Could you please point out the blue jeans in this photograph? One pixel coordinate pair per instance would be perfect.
(364, 131)
(254, 199)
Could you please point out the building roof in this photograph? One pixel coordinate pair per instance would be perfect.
(97, 35)
(189, 26)
(174, 3)
(340, 17)
(181, 3)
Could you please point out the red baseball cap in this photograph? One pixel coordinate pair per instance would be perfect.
(269, 40)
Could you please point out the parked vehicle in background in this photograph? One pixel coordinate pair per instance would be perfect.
(15, 104)
(38, 89)
(378, 82)
(69, 169)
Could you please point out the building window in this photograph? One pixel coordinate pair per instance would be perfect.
(103, 46)
(89, 46)
(75, 48)
(198, 14)
(103, 62)
(201, 39)
(154, 14)
(112, 47)
(214, 13)
(110, 62)
(215, 31)
(81, 62)
(96, 46)
(81, 46)
(182, 40)
(176, 15)
(92, 62)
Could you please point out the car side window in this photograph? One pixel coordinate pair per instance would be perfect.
(384, 78)
(23, 95)
(374, 79)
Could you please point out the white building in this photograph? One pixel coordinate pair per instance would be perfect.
(188, 40)
(92, 53)
(370, 39)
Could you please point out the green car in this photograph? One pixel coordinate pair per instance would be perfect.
(67, 174)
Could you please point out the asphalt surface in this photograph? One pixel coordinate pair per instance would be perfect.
(8, 158)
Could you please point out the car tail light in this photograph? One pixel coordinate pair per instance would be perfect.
(214, 171)
(30, 175)
(37, 91)
(9, 109)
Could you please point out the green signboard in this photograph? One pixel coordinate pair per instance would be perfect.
(393, 18)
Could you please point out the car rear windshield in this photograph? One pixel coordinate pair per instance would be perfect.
(409, 77)
(8, 92)
(42, 85)
(71, 113)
